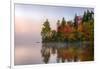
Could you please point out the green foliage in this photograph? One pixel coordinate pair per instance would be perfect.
(45, 33)
(84, 16)
(63, 23)
(88, 16)
(75, 21)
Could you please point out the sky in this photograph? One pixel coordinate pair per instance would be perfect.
(29, 19)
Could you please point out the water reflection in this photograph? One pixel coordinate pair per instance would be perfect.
(68, 52)
(40, 53)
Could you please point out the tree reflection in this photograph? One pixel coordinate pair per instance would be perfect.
(45, 52)
(68, 52)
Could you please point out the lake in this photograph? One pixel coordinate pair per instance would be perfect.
(52, 52)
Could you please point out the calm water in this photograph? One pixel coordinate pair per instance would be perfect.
(41, 53)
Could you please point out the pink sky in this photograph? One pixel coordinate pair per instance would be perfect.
(27, 30)
(26, 26)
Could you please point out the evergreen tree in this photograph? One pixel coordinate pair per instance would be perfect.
(47, 25)
(63, 23)
(75, 21)
(84, 17)
(58, 23)
(92, 16)
(46, 30)
(88, 15)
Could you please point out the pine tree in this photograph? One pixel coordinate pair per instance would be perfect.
(58, 23)
(45, 30)
(88, 16)
(63, 23)
(84, 17)
(75, 21)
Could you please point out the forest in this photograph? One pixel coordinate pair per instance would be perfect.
(81, 28)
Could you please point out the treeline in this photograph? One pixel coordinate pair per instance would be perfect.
(80, 28)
